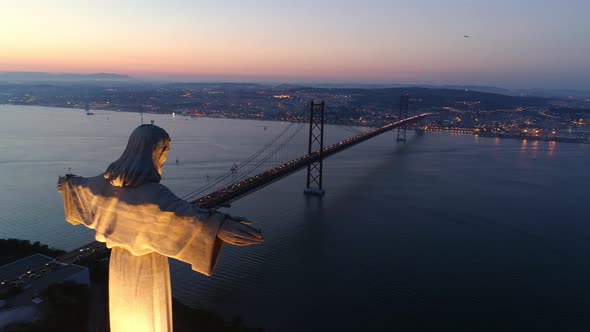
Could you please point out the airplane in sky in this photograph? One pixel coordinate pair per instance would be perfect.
(466, 36)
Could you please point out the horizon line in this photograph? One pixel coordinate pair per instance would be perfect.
(156, 78)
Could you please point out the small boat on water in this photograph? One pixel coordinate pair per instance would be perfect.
(234, 167)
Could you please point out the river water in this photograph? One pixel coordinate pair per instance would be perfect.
(445, 232)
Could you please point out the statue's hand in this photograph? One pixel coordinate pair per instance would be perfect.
(61, 180)
(238, 232)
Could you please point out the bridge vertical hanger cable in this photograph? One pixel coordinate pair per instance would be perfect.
(241, 165)
(272, 153)
(250, 165)
(273, 157)
(228, 177)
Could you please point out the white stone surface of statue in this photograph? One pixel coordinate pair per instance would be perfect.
(145, 223)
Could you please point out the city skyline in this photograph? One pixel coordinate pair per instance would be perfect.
(530, 44)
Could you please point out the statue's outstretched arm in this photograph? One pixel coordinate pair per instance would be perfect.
(233, 230)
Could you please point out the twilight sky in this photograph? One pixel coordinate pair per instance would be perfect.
(514, 43)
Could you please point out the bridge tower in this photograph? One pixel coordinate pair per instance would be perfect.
(316, 142)
(404, 100)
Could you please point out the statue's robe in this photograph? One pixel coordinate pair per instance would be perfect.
(144, 226)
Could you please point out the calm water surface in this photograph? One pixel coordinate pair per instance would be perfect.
(446, 232)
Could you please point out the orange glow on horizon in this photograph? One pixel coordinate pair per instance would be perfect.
(286, 40)
(50, 44)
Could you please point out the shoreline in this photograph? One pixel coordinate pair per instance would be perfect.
(209, 116)
(471, 131)
(462, 131)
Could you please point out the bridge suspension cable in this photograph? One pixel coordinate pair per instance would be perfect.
(228, 177)
(272, 153)
(271, 156)
(240, 166)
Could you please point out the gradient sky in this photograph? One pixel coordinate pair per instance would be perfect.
(514, 43)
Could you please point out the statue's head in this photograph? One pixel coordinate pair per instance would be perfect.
(143, 158)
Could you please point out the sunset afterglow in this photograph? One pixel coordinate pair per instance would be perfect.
(512, 43)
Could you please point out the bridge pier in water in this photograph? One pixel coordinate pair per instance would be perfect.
(316, 143)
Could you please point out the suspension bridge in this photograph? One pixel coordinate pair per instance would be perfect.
(243, 179)
(223, 197)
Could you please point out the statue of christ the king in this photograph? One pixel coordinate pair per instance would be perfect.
(145, 223)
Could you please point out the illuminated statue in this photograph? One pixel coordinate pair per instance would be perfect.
(145, 223)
